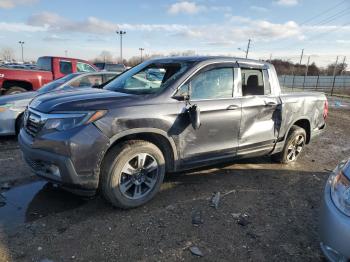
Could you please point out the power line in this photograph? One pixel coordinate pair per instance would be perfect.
(322, 13)
(333, 17)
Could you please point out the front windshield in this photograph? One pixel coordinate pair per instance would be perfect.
(56, 83)
(148, 77)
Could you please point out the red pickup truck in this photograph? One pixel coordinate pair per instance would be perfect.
(48, 68)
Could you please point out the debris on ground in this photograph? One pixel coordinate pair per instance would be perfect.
(236, 215)
(197, 217)
(215, 200)
(317, 178)
(195, 251)
(242, 219)
(170, 208)
(46, 260)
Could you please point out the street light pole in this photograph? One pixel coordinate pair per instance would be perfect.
(21, 43)
(141, 50)
(121, 33)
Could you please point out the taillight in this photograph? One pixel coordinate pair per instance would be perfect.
(325, 109)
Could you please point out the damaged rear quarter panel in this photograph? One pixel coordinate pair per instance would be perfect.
(300, 106)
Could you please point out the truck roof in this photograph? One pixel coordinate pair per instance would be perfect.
(62, 57)
(210, 58)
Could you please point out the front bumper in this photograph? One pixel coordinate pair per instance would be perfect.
(70, 158)
(334, 230)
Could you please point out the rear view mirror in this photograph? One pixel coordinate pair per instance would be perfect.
(195, 115)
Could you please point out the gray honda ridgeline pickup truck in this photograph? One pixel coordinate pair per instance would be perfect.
(166, 115)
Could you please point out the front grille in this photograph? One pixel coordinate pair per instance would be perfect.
(35, 165)
(33, 123)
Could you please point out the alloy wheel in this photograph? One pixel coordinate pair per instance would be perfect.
(139, 176)
(295, 148)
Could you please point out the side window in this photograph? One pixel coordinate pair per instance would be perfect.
(212, 84)
(66, 67)
(255, 82)
(83, 67)
(87, 81)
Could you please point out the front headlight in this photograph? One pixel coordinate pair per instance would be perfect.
(65, 121)
(340, 191)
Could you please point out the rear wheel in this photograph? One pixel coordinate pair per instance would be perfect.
(293, 146)
(132, 173)
(15, 90)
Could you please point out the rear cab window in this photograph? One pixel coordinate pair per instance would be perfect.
(44, 63)
(66, 67)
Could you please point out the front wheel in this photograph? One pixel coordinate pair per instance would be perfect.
(132, 173)
(293, 146)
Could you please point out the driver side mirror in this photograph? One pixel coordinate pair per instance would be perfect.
(195, 116)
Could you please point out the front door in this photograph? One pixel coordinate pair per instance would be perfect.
(211, 89)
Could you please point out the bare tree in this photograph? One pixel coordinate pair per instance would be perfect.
(7, 54)
(104, 56)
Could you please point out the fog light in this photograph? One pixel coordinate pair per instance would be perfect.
(54, 170)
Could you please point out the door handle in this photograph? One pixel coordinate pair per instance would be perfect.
(270, 103)
(232, 107)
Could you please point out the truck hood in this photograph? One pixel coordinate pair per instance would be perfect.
(80, 100)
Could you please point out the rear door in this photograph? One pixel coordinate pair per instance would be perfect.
(260, 111)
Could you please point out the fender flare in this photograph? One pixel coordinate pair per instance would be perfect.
(149, 130)
(294, 121)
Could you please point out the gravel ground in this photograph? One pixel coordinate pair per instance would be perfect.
(266, 212)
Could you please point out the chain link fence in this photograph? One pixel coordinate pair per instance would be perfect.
(338, 85)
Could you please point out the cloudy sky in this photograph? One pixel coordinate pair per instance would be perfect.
(280, 28)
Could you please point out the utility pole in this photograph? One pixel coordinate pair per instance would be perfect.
(301, 57)
(335, 66)
(306, 71)
(22, 43)
(334, 71)
(343, 65)
(121, 33)
(141, 50)
(66, 53)
(294, 67)
(270, 58)
(248, 46)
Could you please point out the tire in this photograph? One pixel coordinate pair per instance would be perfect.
(127, 183)
(293, 146)
(19, 123)
(15, 90)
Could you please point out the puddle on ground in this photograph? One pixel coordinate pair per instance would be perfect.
(31, 201)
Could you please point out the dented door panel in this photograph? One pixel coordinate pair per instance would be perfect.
(259, 124)
(218, 134)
